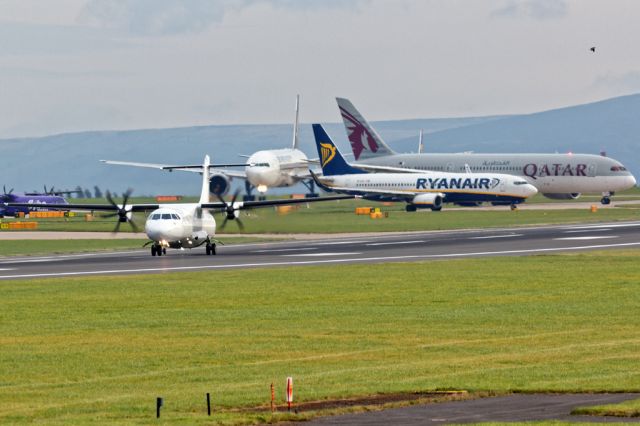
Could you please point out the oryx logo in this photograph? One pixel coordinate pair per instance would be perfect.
(361, 139)
(328, 151)
(494, 182)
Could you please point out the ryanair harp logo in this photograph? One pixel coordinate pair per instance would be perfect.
(328, 151)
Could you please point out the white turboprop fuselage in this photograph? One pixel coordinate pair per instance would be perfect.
(180, 225)
(278, 167)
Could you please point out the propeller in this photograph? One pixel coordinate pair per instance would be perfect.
(230, 210)
(4, 189)
(122, 213)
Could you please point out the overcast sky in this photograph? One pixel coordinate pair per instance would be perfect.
(72, 65)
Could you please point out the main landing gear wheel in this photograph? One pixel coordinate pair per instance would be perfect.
(410, 208)
(436, 209)
(513, 207)
(210, 249)
(156, 250)
(605, 200)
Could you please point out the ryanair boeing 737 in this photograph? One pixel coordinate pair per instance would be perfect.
(417, 188)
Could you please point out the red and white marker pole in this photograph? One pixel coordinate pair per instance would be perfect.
(289, 393)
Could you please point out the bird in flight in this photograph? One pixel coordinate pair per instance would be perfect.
(593, 49)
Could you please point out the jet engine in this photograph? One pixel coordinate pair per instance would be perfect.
(432, 201)
(219, 184)
(570, 196)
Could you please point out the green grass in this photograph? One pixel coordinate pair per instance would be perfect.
(44, 247)
(624, 409)
(101, 349)
(333, 217)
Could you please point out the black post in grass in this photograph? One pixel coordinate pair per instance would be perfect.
(208, 404)
(159, 403)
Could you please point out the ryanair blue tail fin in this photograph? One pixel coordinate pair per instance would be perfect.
(331, 160)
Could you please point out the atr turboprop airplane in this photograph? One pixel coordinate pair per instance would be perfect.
(33, 201)
(271, 168)
(418, 188)
(556, 176)
(185, 225)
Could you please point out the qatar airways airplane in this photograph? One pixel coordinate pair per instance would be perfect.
(556, 176)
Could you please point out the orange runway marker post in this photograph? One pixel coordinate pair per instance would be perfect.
(289, 393)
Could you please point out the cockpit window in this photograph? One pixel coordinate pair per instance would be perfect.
(520, 182)
(166, 216)
(618, 169)
(155, 216)
(175, 216)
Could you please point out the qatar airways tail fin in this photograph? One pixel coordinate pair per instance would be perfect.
(365, 142)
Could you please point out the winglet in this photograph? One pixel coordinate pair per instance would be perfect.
(295, 124)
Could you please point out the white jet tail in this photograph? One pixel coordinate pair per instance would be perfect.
(295, 124)
(365, 142)
(206, 177)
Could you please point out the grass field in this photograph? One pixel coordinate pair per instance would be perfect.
(101, 349)
(333, 217)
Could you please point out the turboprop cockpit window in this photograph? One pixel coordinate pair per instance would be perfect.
(155, 216)
(520, 182)
(166, 216)
(175, 216)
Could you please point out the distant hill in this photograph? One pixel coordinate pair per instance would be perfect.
(69, 160)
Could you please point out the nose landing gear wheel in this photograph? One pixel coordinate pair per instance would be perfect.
(153, 250)
(605, 200)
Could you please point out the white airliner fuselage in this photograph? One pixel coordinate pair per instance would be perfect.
(277, 168)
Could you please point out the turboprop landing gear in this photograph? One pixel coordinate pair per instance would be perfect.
(606, 199)
(157, 250)
(513, 207)
(210, 248)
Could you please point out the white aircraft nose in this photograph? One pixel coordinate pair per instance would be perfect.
(530, 190)
(631, 181)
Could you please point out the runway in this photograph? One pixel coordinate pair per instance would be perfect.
(380, 248)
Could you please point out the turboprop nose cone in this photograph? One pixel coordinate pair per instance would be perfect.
(631, 181)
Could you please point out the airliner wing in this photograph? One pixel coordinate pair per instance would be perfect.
(184, 168)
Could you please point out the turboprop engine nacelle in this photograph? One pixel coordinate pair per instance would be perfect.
(428, 200)
(571, 196)
(219, 184)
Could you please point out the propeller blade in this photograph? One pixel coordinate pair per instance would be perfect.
(117, 228)
(240, 225)
(233, 200)
(133, 226)
(109, 199)
(224, 223)
(126, 197)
